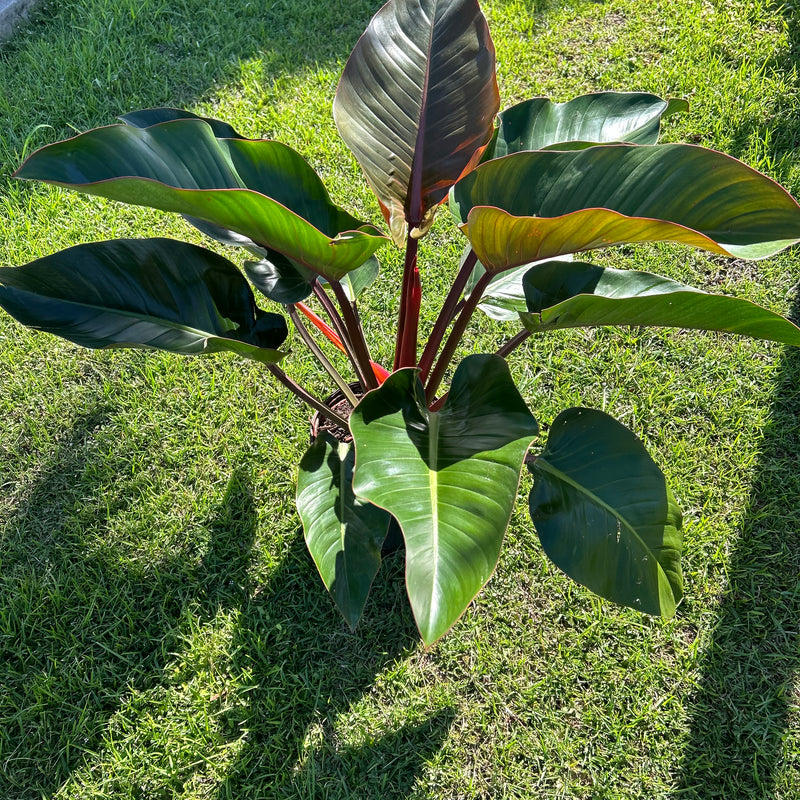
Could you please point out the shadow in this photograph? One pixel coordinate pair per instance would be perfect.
(305, 674)
(79, 627)
(740, 708)
(82, 630)
(74, 66)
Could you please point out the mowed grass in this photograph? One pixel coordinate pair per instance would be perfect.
(163, 633)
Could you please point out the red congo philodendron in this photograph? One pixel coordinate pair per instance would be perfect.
(529, 187)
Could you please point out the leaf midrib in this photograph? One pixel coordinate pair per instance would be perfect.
(545, 466)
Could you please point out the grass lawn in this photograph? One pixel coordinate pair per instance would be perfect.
(163, 633)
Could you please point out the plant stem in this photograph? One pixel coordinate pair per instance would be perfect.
(298, 390)
(357, 343)
(405, 351)
(320, 356)
(448, 311)
(341, 328)
(454, 338)
(513, 343)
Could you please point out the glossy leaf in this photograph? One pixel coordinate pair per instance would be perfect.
(604, 513)
(278, 279)
(344, 534)
(155, 116)
(530, 206)
(572, 295)
(599, 118)
(143, 293)
(261, 189)
(416, 104)
(228, 237)
(450, 482)
(504, 297)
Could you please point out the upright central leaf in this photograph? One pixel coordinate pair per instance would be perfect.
(416, 103)
(448, 477)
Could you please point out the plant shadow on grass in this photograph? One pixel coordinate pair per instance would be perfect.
(76, 65)
(82, 631)
(79, 630)
(740, 708)
(306, 669)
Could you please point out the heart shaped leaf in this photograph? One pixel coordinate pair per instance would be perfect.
(416, 104)
(260, 189)
(344, 534)
(530, 206)
(143, 293)
(573, 295)
(450, 482)
(590, 119)
(604, 513)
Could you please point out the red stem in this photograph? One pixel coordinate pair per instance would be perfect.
(449, 309)
(405, 352)
(460, 325)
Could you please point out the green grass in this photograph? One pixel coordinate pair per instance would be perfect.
(163, 633)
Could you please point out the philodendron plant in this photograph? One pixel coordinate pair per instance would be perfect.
(435, 452)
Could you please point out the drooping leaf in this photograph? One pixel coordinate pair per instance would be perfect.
(344, 534)
(154, 116)
(504, 297)
(590, 119)
(279, 279)
(228, 237)
(604, 513)
(448, 477)
(530, 206)
(416, 103)
(260, 189)
(573, 295)
(143, 293)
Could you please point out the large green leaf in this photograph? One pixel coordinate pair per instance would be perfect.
(344, 534)
(143, 293)
(598, 118)
(416, 103)
(530, 206)
(448, 477)
(260, 189)
(573, 295)
(604, 513)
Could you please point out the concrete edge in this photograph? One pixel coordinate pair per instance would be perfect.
(12, 12)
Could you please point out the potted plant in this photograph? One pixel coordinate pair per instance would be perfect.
(434, 447)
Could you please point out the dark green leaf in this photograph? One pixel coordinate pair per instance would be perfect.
(228, 237)
(416, 103)
(155, 116)
(573, 295)
(604, 513)
(449, 478)
(260, 189)
(344, 534)
(143, 293)
(599, 118)
(280, 279)
(530, 206)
